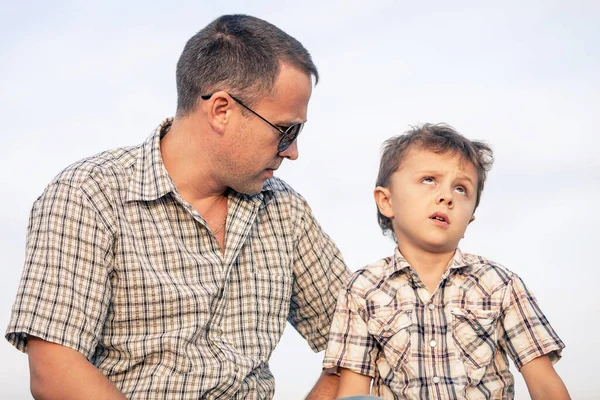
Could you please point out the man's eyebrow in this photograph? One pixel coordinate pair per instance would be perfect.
(287, 124)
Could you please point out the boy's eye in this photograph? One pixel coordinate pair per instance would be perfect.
(461, 190)
(427, 180)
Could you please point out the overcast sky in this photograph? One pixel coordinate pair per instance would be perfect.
(79, 77)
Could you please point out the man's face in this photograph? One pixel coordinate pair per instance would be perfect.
(432, 200)
(252, 155)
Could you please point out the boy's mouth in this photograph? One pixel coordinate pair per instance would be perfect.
(438, 216)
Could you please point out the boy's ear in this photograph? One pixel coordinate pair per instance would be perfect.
(383, 199)
(470, 220)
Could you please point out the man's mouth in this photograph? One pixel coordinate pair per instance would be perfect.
(276, 166)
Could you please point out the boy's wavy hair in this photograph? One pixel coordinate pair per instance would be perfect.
(439, 138)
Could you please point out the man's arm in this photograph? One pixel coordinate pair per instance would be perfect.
(542, 380)
(353, 384)
(59, 372)
(325, 388)
(330, 386)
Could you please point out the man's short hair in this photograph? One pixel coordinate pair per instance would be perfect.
(237, 53)
(439, 138)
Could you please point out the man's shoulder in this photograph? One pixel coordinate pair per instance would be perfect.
(280, 191)
(115, 164)
(280, 187)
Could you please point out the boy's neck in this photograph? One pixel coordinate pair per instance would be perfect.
(429, 266)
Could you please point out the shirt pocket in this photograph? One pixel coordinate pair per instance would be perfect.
(392, 330)
(475, 335)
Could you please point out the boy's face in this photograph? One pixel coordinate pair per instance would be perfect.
(430, 200)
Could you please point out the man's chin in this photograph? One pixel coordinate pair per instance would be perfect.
(250, 189)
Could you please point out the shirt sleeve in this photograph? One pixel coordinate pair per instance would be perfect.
(319, 274)
(350, 344)
(64, 293)
(525, 332)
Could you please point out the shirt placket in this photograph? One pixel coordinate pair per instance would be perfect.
(433, 308)
(244, 212)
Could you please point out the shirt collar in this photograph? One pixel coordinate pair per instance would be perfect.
(398, 262)
(151, 180)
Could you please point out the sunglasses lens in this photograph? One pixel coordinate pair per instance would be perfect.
(289, 136)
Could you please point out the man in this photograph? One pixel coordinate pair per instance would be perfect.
(169, 270)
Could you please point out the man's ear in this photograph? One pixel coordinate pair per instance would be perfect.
(219, 109)
(383, 199)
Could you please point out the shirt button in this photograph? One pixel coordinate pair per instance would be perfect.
(236, 368)
(432, 343)
(431, 306)
(219, 332)
(435, 379)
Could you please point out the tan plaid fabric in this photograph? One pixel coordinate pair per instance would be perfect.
(121, 269)
(448, 345)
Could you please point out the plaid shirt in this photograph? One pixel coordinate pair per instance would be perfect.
(120, 268)
(448, 345)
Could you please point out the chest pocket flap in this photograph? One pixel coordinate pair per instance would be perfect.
(475, 335)
(392, 330)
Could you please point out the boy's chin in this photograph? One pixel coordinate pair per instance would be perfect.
(431, 247)
(440, 247)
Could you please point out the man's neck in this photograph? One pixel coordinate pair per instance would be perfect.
(186, 157)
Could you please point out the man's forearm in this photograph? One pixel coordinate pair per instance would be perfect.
(325, 388)
(79, 382)
(58, 372)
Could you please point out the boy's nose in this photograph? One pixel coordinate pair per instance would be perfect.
(445, 196)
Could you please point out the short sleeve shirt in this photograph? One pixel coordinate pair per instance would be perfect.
(451, 344)
(120, 268)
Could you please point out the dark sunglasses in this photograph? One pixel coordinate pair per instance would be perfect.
(287, 136)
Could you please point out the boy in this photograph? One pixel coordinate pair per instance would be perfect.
(432, 322)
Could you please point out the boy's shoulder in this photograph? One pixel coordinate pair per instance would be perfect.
(379, 268)
(472, 269)
(370, 276)
(485, 272)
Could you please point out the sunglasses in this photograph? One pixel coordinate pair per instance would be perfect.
(288, 135)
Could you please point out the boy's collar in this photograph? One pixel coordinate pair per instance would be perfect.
(398, 262)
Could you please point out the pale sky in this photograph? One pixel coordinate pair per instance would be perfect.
(80, 77)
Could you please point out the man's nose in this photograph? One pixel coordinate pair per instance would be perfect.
(291, 152)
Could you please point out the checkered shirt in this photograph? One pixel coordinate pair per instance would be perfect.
(120, 268)
(448, 345)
